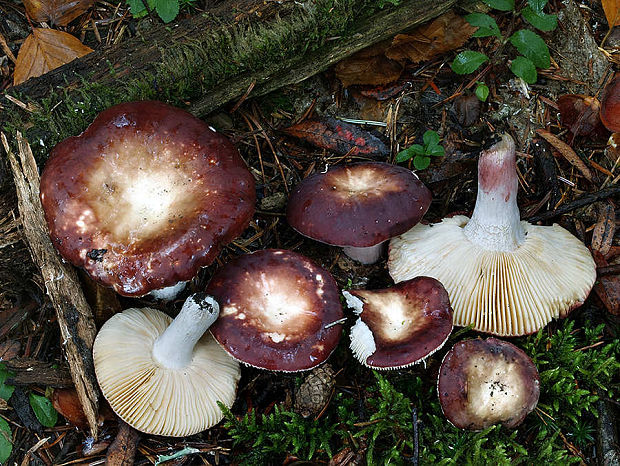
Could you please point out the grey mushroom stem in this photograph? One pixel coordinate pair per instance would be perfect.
(174, 348)
(496, 223)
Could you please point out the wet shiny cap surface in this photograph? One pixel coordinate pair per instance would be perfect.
(276, 308)
(146, 196)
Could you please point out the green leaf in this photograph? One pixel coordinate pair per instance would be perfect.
(540, 21)
(482, 91)
(5, 390)
(43, 410)
(5, 441)
(167, 9)
(525, 69)
(486, 25)
(468, 61)
(420, 162)
(537, 5)
(532, 46)
(502, 5)
(404, 155)
(430, 138)
(138, 9)
(435, 150)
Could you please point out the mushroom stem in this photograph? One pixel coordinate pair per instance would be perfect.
(368, 255)
(175, 346)
(495, 224)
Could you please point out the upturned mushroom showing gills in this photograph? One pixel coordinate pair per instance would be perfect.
(486, 382)
(399, 326)
(164, 376)
(145, 196)
(280, 311)
(504, 276)
(358, 207)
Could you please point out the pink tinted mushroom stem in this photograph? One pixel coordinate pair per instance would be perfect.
(495, 224)
(174, 349)
(367, 255)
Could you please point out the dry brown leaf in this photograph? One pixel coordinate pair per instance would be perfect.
(568, 153)
(44, 50)
(445, 33)
(59, 12)
(368, 66)
(604, 230)
(612, 12)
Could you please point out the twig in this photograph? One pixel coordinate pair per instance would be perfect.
(584, 200)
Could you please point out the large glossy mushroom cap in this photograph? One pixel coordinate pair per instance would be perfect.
(278, 310)
(485, 382)
(400, 326)
(146, 196)
(359, 204)
(164, 377)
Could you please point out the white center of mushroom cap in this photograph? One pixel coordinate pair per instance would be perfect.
(495, 391)
(361, 181)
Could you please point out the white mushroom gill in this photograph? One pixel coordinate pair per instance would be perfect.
(174, 348)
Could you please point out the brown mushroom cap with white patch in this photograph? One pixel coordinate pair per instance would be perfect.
(400, 326)
(279, 311)
(486, 382)
(504, 276)
(164, 376)
(358, 206)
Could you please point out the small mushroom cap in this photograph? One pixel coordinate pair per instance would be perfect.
(275, 310)
(146, 196)
(155, 399)
(484, 382)
(359, 204)
(402, 325)
(503, 293)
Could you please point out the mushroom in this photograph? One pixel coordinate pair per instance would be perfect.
(145, 196)
(358, 206)
(279, 310)
(164, 376)
(399, 326)
(504, 276)
(484, 382)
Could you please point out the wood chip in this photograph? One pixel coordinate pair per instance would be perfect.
(74, 316)
(123, 449)
(567, 152)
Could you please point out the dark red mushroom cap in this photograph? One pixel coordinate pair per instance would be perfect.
(146, 196)
(276, 308)
(359, 204)
(610, 105)
(483, 382)
(402, 325)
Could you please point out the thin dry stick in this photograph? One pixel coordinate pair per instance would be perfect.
(74, 316)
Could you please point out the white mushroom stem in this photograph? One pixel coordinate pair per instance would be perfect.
(174, 348)
(168, 293)
(495, 224)
(368, 255)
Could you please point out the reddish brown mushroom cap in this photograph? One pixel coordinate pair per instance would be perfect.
(276, 308)
(402, 325)
(484, 382)
(359, 204)
(146, 196)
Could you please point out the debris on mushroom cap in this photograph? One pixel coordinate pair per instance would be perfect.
(504, 276)
(165, 377)
(278, 310)
(485, 382)
(610, 105)
(400, 326)
(358, 205)
(146, 196)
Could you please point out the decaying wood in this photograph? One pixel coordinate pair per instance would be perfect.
(123, 450)
(582, 201)
(73, 313)
(28, 371)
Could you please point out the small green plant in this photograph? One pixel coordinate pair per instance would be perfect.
(422, 154)
(167, 10)
(482, 91)
(534, 52)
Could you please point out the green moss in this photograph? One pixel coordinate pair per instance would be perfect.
(378, 418)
